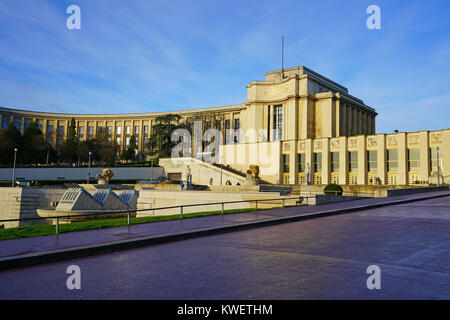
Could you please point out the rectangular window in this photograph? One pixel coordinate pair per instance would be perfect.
(136, 129)
(17, 124)
(127, 141)
(218, 124)
(372, 161)
(353, 161)
(49, 128)
(119, 130)
(334, 162)
(118, 141)
(227, 133)
(61, 129)
(128, 129)
(392, 160)
(236, 130)
(285, 163)
(436, 156)
(317, 162)
(81, 130)
(109, 130)
(145, 129)
(301, 162)
(413, 160)
(278, 122)
(90, 130)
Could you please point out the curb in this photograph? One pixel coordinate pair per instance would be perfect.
(108, 247)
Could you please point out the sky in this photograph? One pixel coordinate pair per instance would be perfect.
(149, 56)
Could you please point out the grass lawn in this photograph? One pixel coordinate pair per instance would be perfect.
(45, 230)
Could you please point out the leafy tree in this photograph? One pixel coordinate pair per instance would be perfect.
(160, 143)
(107, 148)
(69, 148)
(10, 138)
(130, 152)
(35, 147)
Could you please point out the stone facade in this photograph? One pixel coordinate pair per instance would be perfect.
(305, 128)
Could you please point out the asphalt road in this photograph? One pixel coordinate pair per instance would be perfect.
(323, 258)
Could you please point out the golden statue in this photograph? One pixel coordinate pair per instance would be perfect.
(255, 171)
(105, 177)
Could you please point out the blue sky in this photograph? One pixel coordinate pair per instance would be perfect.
(148, 56)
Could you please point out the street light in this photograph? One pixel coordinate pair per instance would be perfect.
(14, 168)
(89, 168)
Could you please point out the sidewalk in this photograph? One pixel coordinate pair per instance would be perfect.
(28, 251)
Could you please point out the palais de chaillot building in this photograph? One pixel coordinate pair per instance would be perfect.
(310, 128)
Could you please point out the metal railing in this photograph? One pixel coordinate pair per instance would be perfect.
(299, 200)
(343, 193)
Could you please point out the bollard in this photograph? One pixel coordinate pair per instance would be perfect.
(128, 217)
(223, 207)
(256, 205)
(181, 212)
(57, 225)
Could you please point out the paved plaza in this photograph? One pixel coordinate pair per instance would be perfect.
(324, 258)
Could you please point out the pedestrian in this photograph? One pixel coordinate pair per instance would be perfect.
(182, 185)
(211, 181)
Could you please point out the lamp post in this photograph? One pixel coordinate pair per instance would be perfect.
(89, 168)
(14, 168)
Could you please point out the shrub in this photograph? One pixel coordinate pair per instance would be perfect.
(333, 190)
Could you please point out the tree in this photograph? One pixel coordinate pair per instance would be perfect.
(69, 148)
(34, 145)
(10, 139)
(107, 147)
(130, 152)
(160, 143)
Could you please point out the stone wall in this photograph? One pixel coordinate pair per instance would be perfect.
(149, 199)
(21, 203)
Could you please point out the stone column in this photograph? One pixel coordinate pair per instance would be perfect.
(445, 149)
(343, 160)
(292, 161)
(309, 159)
(402, 159)
(343, 120)
(141, 136)
(381, 158)
(271, 124)
(362, 160)
(325, 160)
(350, 121)
(373, 125)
